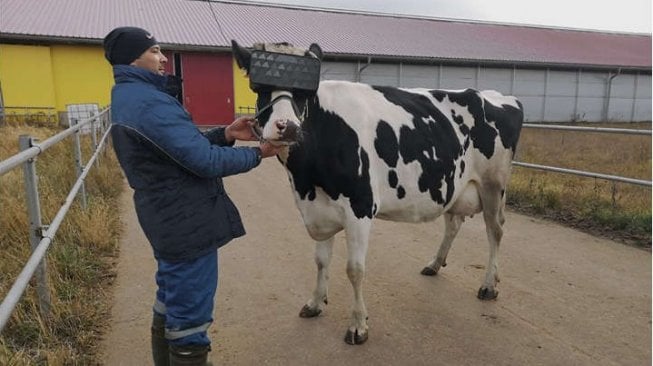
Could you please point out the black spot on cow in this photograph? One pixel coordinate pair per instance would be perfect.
(462, 168)
(462, 127)
(387, 147)
(432, 142)
(393, 180)
(458, 119)
(508, 120)
(483, 135)
(386, 144)
(461, 123)
(401, 192)
(330, 157)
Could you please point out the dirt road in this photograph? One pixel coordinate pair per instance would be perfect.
(565, 298)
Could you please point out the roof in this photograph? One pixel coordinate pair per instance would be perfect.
(201, 24)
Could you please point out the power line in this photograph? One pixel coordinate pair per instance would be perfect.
(215, 18)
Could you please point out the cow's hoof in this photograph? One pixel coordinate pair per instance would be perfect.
(428, 271)
(355, 338)
(487, 294)
(307, 312)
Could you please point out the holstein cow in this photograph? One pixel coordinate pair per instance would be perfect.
(358, 152)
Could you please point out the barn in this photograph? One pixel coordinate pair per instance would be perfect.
(51, 56)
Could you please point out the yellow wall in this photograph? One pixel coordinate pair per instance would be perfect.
(243, 95)
(81, 75)
(26, 76)
(54, 76)
(57, 75)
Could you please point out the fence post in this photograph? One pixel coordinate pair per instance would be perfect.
(36, 227)
(106, 124)
(78, 160)
(95, 123)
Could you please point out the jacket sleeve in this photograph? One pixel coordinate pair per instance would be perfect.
(170, 128)
(217, 136)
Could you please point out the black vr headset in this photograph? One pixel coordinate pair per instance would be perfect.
(280, 71)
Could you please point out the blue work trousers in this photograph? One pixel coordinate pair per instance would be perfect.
(185, 297)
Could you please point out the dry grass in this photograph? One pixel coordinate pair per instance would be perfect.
(80, 259)
(617, 210)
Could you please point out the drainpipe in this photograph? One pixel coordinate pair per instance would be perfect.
(606, 103)
(360, 69)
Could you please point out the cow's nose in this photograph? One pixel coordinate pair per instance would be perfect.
(288, 130)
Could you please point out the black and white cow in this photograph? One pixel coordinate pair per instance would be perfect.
(360, 152)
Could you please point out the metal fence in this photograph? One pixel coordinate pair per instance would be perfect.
(41, 235)
(581, 172)
(10, 115)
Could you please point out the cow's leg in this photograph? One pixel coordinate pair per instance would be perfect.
(451, 226)
(315, 305)
(357, 233)
(493, 215)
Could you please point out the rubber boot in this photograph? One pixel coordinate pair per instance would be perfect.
(160, 351)
(190, 355)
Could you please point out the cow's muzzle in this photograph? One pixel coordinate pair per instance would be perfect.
(286, 131)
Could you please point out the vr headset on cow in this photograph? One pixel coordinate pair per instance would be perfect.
(269, 70)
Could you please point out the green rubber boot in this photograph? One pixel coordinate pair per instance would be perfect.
(189, 355)
(160, 351)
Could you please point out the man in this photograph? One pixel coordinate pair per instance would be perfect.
(176, 173)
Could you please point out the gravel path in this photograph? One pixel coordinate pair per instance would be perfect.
(566, 298)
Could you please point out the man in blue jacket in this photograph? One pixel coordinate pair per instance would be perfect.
(176, 172)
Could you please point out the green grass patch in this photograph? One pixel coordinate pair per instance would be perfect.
(617, 210)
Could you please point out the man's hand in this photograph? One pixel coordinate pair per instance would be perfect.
(240, 129)
(267, 149)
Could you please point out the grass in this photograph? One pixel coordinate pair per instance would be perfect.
(80, 260)
(617, 210)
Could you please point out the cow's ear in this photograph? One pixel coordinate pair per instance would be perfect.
(243, 56)
(316, 50)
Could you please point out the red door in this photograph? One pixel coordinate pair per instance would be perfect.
(208, 87)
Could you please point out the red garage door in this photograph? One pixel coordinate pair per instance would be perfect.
(207, 87)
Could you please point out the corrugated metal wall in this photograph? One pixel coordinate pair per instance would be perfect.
(547, 95)
(79, 74)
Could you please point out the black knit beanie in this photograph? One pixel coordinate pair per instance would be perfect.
(125, 44)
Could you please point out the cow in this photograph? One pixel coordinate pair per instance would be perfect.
(356, 152)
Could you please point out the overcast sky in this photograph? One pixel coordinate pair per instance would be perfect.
(621, 15)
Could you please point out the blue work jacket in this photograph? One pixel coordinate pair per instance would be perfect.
(175, 170)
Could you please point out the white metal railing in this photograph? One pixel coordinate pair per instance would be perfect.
(625, 131)
(42, 235)
(581, 172)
